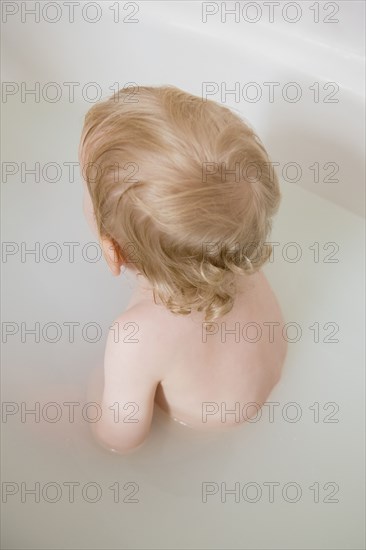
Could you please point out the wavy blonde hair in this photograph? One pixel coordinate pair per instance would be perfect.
(185, 190)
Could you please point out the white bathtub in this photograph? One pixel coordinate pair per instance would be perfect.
(315, 463)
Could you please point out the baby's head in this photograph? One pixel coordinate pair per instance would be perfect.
(182, 191)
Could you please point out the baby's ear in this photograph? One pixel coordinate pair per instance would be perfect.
(112, 254)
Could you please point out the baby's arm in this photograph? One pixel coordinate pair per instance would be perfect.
(130, 382)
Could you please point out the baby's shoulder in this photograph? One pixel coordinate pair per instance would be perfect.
(142, 335)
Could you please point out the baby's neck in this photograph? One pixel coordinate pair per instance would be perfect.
(142, 290)
(141, 287)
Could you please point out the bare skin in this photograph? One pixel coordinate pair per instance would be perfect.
(196, 376)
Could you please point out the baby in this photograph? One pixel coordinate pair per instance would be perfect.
(181, 192)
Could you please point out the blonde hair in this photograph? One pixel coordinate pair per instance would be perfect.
(186, 186)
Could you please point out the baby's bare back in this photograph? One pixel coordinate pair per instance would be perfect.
(210, 369)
